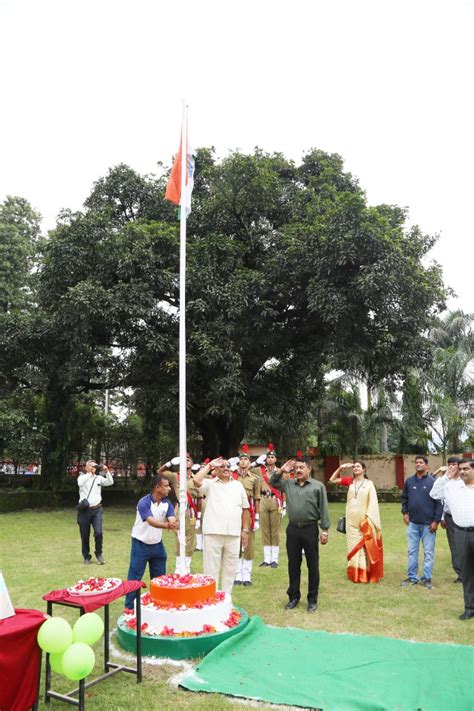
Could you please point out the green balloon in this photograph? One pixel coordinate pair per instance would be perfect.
(78, 661)
(56, 661)
(88, 629)
(55, 635)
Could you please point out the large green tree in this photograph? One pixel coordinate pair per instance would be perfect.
(19, 234)
(290, 272)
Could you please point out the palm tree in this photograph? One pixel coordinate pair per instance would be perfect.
(447, 387)
(342, 425)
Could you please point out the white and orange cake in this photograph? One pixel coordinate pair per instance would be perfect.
(186, 605)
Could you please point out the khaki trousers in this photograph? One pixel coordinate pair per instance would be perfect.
(270, 521)
(190, 535)
(221, 555)
(249, 552)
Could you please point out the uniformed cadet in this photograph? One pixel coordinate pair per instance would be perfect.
(251, 484)
(271, 511)
(193, 507)
(194, 470)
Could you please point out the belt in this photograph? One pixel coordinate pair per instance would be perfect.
(97, 506)
(267, 494)
(464, 528)
(303, 524)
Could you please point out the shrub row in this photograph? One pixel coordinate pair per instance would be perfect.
(20, 500)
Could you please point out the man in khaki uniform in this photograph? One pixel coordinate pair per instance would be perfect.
(271, 508)
(251, 483)
(193, 506)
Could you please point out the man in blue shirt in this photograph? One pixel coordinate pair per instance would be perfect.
(154, 513)
(421, 515)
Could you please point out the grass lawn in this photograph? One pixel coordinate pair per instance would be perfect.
(41, 552)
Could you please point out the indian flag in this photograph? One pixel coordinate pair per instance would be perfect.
(173, 189)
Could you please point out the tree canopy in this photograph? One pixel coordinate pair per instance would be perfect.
(290, 273)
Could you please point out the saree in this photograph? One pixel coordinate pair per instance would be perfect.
(364, 534)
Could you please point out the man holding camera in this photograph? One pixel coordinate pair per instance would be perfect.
(90, 490)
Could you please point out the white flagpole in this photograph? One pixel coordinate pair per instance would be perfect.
(181, 563)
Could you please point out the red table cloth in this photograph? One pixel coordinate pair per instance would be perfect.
(90, 603)
(19, 659)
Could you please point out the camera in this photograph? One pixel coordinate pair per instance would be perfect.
(98, 467)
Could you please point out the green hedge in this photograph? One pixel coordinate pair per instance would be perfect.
(386, 497)
(20, 500)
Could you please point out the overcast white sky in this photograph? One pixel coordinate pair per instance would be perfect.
(386, 84)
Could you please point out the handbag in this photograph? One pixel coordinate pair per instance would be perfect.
(341, 525)
(84, 504)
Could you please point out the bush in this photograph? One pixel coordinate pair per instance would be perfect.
(20, 500)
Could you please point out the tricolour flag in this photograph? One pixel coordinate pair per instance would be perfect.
(173, 189)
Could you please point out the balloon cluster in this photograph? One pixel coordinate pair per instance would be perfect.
(69, 648)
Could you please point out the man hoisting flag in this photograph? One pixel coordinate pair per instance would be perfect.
(178, 191)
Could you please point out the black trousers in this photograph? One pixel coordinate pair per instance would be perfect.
(86, 519)
(299, 540)
(450, 532)
(465, 547)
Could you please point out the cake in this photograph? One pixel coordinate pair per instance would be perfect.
(185, 605)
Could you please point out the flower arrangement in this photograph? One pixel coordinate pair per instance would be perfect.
(131, 622)
(94, 585)
(148, 601)
(183, 581)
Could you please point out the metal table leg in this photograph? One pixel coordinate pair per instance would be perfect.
(106, 638)
(138, 613)
(47, 676)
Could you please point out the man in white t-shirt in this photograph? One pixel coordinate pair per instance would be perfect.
(225, 522)
(154, 513)
(460, 499)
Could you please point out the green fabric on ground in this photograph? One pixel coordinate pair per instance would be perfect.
(337, 672)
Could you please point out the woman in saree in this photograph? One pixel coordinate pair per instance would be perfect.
(363, 527)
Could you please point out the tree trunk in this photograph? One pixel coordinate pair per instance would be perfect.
(56, 449)
(221, 438)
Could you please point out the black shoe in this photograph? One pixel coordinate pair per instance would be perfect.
(100, 558)
(466, 616)
(274, 564)
(312, 607)
(409, 581)
(247, 583)
(427, 584)
(291, 603)
(458, 580)
(264, 565)
(87, 561)
(237, 582)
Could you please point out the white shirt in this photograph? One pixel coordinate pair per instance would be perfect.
(84, 482)
(224, 504)
(446, 509)
(147, 506)
(460, 499)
